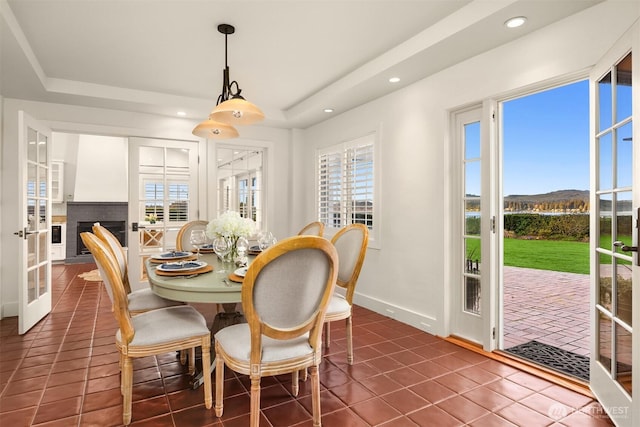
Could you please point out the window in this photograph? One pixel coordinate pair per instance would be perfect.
(345, 183)
(240, 172)
(177, 199)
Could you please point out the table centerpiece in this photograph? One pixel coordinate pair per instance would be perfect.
(231, 226)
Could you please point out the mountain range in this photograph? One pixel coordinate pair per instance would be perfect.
(567, 201)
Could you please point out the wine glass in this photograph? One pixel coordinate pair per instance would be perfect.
(198, 239)
(222, 247)
(266, 239)
(242, 246)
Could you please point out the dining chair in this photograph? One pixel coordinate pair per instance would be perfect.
(315, 228)
(284, 297)
(182, 239)
(351, 243)
(151, 333)
(140, 300)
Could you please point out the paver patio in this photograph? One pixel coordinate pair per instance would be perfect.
(550, 307)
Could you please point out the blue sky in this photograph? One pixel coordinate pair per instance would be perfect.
(546, 141)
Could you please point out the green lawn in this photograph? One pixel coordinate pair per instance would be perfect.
(572, 257)
(554, 255)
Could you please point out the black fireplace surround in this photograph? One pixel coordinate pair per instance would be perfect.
(82, 215)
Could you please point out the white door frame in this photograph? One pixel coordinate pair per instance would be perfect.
(477, 328)
(622, 409)
(35, 234)
(163, 233)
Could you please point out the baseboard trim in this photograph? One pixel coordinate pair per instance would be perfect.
(558, 378)
(412, 318)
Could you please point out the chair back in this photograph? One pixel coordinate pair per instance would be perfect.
(117, 250)
(351, 243)
(286, 291)
(315, 228)
(184, 234)
(110, 274)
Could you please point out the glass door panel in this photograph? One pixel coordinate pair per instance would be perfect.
(34, 211)
(163, 197)
(616, 218)
(466, 302)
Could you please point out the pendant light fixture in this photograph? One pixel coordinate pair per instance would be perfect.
(231, 107)
(212, 129)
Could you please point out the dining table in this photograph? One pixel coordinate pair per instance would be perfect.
(219, 286)
(211, 287)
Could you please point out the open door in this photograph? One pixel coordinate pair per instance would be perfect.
(163, 196)
(34, 195)
(615, 204)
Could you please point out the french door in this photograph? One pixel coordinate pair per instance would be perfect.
(34, 213)
(471, 298)
(163, 196)
(615, 204)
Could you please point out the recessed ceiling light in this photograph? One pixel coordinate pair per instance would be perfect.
(394, 79)
(515, 22)
(328, 110)
(181, 113)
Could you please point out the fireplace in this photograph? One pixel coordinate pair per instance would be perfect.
(82, 215)
(117, 228)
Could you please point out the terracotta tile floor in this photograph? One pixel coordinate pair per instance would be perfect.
(64, 372)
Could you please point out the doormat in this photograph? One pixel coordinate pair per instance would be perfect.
(554, 358)
(91, 276)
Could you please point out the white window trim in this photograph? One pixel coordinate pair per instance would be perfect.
(372, 138)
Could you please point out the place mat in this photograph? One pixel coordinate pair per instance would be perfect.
(207, 268)
(205, 251)
(235, 278)
(185, 258)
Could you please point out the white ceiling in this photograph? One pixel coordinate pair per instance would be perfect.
(291, 58)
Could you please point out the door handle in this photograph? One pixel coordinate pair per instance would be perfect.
(625, 248)
(24, 233)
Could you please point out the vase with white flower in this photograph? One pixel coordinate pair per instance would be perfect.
(152, 218)
(231, 226)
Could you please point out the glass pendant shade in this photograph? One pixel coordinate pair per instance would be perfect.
(237, 111)
(212, 129)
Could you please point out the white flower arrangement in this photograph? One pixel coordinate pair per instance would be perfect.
(230, 224)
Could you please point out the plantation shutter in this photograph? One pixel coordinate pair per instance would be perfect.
(330, 189)
(346, 183)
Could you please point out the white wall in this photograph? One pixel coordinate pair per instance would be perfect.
(407, 278)
(102, 169)
(82, 120)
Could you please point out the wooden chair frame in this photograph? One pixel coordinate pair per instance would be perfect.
(315, 228)
(143, 299)
(124, 336)
(185, 230)
(255, 367)
(347, 279)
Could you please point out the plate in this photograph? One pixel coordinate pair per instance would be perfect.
(241, 271)
(255, 249)
(181, 266)
(172, 255)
